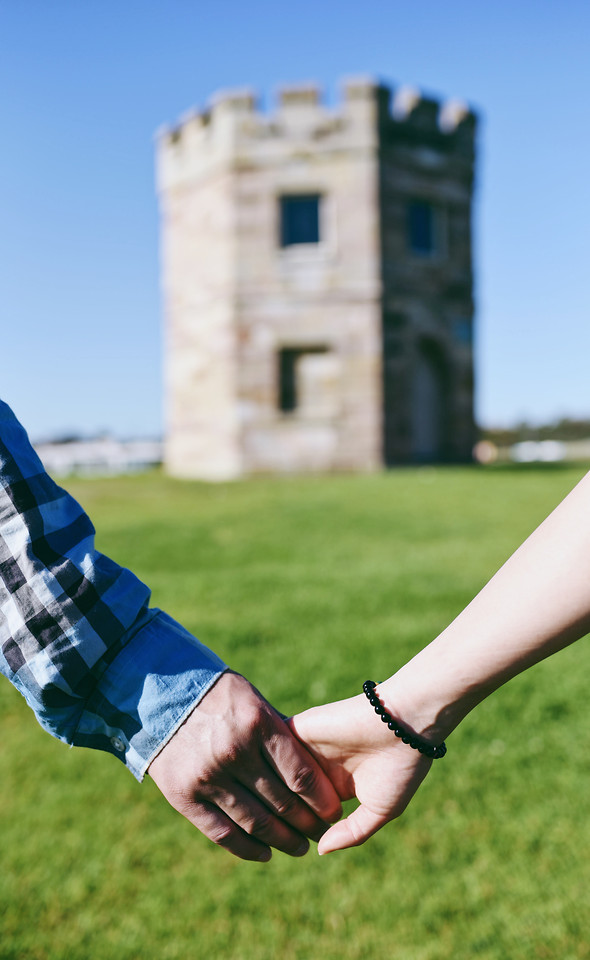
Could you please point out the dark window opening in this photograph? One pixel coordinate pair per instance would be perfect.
(300, 219)
(463, 331)
(421, 227)
(289, 357)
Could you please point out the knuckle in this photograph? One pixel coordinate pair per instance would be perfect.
(222, 835)
(288, 806)
(260, 824)
(304, 780)
(358, 836)
(197, 789)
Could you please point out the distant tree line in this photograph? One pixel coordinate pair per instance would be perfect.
(564, 429)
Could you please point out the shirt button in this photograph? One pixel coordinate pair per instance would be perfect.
(118, 744)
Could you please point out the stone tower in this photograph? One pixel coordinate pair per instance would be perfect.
(317, 283)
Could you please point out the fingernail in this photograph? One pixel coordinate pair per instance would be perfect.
(265, 856)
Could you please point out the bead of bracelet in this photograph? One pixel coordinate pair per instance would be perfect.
(430, 750)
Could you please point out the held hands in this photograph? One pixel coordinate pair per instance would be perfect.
(363, 759)
(236, 772)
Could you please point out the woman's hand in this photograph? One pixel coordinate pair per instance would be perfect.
(363, 759)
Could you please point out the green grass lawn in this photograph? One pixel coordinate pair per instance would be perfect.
(309, 586)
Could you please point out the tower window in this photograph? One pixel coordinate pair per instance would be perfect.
(462, 331)
(423, 228)
(287, 380)
(303, 381)
(300, 219)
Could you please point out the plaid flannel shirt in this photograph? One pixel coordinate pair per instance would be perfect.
(77, 637)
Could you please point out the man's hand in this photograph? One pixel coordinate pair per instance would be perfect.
(364, 759)
(236, 772)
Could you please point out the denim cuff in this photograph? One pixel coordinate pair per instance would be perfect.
(148, 691)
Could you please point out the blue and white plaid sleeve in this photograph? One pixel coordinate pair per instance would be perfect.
(77, 637)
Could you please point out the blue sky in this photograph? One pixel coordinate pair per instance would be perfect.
(85, 83)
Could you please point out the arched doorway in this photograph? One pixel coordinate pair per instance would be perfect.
(429, 404)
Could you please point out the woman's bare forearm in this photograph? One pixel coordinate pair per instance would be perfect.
(537, 603)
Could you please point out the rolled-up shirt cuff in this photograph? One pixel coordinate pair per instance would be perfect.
(147, 693)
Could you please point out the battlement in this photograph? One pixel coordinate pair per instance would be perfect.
(369, 112)
(300, 95)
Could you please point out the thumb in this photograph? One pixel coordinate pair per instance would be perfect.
(351, 832)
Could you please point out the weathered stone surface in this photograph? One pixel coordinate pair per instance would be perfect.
(342, 354)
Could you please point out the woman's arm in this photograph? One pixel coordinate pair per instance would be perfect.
(537, 603)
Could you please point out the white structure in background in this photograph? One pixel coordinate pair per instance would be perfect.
(102, 457)
(539, 451)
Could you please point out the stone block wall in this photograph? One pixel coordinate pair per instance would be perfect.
(314, 356)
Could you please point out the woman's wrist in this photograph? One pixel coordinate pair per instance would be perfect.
(433, 751)
(428, 700)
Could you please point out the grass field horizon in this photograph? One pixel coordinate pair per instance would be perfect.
(308, 586)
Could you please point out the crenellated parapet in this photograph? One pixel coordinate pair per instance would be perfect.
(369, 114)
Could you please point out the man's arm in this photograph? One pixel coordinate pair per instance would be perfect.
(536, 604)
(101, 669)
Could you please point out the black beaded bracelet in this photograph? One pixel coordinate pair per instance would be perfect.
(430, 750)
